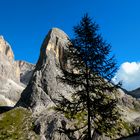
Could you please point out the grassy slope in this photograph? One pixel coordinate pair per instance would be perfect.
(17, 124)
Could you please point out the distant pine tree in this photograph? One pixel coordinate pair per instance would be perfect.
(93, 106)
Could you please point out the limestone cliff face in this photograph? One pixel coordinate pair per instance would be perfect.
(6, 49)
(43, 86)
(8, 66)
(26, 71)
(55, 43)
(10, 87)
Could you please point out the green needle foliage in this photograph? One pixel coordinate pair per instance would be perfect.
(93, 106)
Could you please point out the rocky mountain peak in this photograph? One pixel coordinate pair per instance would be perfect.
(5, 49)
(54, 40)
(10, 87)
(44, 86)
(8, 66)
(54, 43)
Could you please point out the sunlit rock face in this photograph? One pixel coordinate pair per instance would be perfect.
(5, 49)
(8, 66)
(44, 86)
(10, 88)
(55, 42)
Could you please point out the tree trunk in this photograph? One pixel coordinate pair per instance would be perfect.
(88, 104)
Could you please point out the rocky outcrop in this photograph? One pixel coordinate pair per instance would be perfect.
(43, 86)
(6, 50)
(10, 88)
(8, 66)
(10, 92)
(26, 71)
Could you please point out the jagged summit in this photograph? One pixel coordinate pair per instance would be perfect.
(43, 86)
(13, 75)
(5, 49)
(55, 43)
(8, 66)
(54, 39)
(58, 32)
(10, 88)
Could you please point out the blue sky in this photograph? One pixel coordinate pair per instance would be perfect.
(25, 23)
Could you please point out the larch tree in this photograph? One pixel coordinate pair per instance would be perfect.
(93, 106)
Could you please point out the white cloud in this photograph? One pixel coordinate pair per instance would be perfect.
(129, 74)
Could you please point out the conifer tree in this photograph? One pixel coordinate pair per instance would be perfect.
(93, 107)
